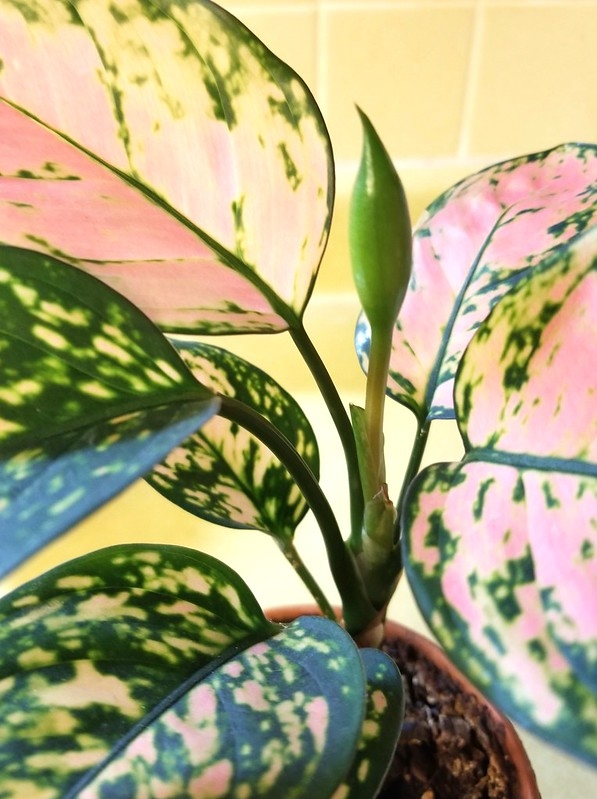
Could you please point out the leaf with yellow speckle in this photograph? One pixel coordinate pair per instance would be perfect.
(92, 396)
(501, 548)
(180, 161)
(92, 647)
(281, 719)
(145, 670)
(225, 474)
(384, 714)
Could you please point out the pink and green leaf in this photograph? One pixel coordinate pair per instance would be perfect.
(280, 719)
(501, 548)
(473, 244)
(150, 183)
(140, 670)
(92, 397)
(472, 560)
(223, 473)
(540, 397)
(91, 647)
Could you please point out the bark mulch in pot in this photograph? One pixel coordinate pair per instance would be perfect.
(451, 745)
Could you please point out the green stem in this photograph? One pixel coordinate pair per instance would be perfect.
(341, 420)
(380, 350)
(412, 469)
(292, 556)
(358, 611)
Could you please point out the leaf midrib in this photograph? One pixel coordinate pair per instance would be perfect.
(527, 462)
(113, 411)
(168, 701)
(226, 257)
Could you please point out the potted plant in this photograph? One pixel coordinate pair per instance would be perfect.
(190, 195)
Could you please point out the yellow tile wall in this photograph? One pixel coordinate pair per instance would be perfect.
(451, 85)
(443, 79)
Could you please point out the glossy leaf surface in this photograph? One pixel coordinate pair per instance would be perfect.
(500, 548)
(223, 473)
(91, 647)
(473, 244)
(281, 719)
(384, 714)
(92, 396)
(141, 670)
(181, 161)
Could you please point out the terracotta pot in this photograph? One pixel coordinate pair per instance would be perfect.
(511, 756)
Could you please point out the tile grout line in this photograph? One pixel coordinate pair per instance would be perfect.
(385, 5)
(321, 59)
(472, 82)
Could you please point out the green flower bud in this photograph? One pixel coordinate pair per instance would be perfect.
(380, 233)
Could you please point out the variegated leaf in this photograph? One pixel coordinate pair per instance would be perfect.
(92, 647)
(381, 727)
(223, 473)
(501, 549)
(474, 541)
(92, 396)
(151, 671)
(539, 396)
(280, 719)
(180, 161)
(46, 488)
(473, 244)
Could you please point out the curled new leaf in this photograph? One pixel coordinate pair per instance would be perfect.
(380, 234)
(381, 257)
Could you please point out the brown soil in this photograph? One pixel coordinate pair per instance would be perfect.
(450, 746)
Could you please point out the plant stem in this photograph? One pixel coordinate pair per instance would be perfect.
(292, 556)
(377, 375)
(412, 469)
(358, 611)
(341, 420)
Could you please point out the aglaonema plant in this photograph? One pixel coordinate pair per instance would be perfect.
(162, 176)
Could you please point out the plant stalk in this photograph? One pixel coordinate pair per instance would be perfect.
(292, 555)
(358, 610)
(380, 350)
(340, 418)
(412, 469)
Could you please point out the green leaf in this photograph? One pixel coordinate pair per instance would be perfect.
(472, 245)
(46, 489)
(223, 473)
(381, 727)
(93, 646)
(281, 719)
(145, 671)
(180, 153)
(92, 396)
(501, 548)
